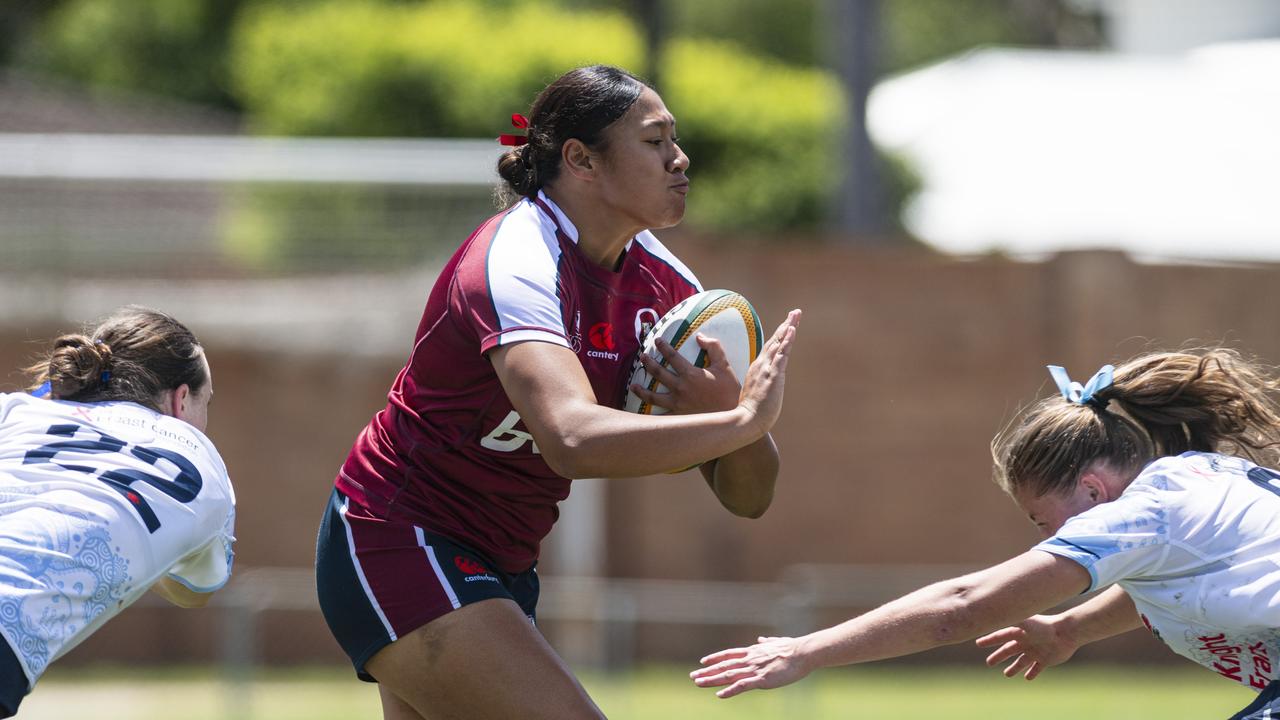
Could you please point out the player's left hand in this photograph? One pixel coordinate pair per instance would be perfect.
(1033, 645)
(691, 389)
(772, 662)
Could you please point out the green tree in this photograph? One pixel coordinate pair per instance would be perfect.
(176, 48)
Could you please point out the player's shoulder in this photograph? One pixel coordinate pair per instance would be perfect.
(1190, 470)
(514, 239)
(517, 244)
(653, 254)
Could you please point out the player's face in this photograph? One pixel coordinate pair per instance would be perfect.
(644, 169)
(1050, 511)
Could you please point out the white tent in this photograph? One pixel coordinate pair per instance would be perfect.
(1031, 152)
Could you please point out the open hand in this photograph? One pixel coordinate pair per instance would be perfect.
(1033, 645)
(689, 388)
(772, 662)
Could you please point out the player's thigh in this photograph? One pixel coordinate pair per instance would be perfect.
(484, 660)
(393, 708)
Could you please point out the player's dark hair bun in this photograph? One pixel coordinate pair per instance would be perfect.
(514, 168)
(77, 364)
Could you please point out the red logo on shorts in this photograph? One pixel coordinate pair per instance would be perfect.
(601, 335)
(469, 566)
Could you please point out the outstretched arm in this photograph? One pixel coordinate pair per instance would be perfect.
(1043, 641)
(944, 613)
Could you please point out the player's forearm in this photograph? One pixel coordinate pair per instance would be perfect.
(925, 619)
(950, 611)
(1108, 614)
(743, 480)
(595, 441)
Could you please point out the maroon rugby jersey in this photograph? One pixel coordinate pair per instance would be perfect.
(449, 453)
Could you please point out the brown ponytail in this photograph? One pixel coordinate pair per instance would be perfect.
(1160, 404)
(134, 355)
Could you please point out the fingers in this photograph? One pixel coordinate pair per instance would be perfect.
(654, 398)
(726, 676)
(1000, 636)
(661, 372)
(776, 350)
(674, 359)
(714, 350)
(1034, 671)
(740, 687)
(721, 657)
(1005, 652)
(1020, 664)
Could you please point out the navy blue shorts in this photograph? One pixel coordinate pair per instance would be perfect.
(379, 580)
(13, 681)
(1265, 707)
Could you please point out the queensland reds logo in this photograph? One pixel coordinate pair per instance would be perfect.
(646, 318)
(601, 336)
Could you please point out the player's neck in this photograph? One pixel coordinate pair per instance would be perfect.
(602, 232)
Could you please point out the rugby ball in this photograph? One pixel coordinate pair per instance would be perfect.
(722, 314)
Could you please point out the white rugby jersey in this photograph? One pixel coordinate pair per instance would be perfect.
(1195, 541)
(98, 502)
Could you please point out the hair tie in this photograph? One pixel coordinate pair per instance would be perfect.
(519, 122)
(1083, 394)
(44, 391)
(106, 374)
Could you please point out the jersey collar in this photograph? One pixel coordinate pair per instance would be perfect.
(561, 221)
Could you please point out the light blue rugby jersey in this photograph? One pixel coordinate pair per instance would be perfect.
(1195, 541)
(99, 501)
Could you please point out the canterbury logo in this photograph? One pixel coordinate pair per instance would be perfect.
(469, 566)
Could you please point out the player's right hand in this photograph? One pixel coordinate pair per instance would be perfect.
(762, 388)
(772, 662)
(1033, 645)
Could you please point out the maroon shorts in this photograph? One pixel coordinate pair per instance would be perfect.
(379, 580)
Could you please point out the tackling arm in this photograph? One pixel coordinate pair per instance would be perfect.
(1043, 641)
(944, 613)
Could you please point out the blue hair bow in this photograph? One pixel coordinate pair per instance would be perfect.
(1074, 391)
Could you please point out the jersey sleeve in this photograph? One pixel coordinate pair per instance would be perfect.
(1127, 538)
(7, 402)
(509, 291)
(209, 567)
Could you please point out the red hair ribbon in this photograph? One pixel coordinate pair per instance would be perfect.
(520, 122)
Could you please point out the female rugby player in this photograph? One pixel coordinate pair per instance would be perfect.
(426, 555)
(1148, 481)
(108, 488)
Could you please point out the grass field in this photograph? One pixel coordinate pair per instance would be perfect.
(872, 693)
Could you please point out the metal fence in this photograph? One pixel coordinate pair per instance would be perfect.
(164, 205)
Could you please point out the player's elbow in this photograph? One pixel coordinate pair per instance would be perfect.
(566, 457)
(752, 507)
(956, 615)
